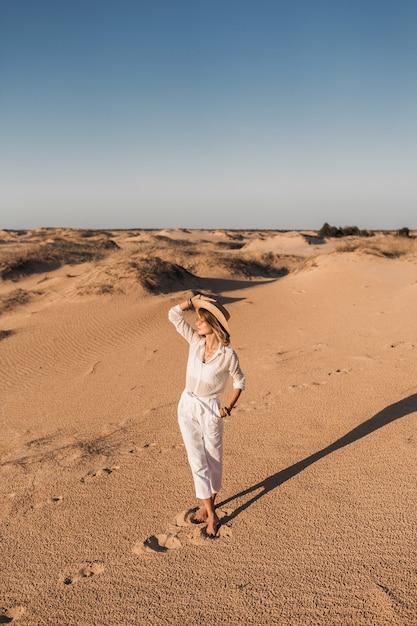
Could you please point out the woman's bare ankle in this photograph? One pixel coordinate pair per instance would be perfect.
(212, 525)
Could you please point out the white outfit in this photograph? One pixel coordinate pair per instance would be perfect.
(199, 406)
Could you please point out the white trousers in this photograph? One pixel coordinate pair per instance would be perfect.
(202, 432)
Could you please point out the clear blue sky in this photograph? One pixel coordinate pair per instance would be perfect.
(280, 114)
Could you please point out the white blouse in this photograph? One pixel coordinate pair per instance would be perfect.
(206, 379)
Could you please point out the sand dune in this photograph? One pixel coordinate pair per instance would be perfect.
(318, 508)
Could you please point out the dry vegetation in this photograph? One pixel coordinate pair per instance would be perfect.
(158, 263)
(389, 245)
(30, 258)
(13, 299)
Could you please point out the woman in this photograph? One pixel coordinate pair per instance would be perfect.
(200, 415)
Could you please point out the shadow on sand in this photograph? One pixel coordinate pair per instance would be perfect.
(386, 416)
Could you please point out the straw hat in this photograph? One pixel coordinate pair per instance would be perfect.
(216, 309)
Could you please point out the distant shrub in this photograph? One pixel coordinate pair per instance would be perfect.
(403, 232)
(335, 231)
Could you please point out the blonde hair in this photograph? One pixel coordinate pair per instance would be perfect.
(220, 332)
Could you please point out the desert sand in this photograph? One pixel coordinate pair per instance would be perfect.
(318, 505)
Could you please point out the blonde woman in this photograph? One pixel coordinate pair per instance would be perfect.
(211, 361)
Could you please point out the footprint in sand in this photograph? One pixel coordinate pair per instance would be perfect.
(318, 383)
(91, 568)
(157, 543)
(184, 518)
(183, 531)
(403, 344)
(7, 616)
(339, 371)
(170, 448)
(95, 473)
(147, 447)
(54, 501)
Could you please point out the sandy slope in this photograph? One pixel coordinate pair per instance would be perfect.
(319, 498)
